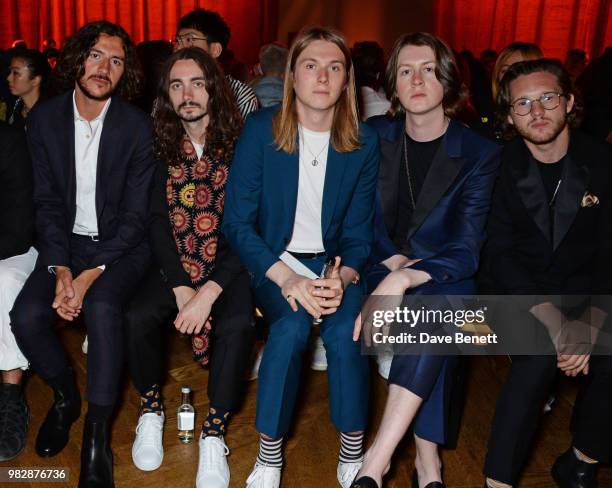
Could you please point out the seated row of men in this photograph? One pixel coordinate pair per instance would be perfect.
(191, 217)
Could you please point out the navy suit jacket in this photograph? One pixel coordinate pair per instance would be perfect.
(123, 179)
(447, 226)
(261, 198)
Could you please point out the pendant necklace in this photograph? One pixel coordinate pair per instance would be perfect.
(315, 159)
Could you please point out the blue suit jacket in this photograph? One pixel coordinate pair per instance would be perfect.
(261, 198)
(447, 226)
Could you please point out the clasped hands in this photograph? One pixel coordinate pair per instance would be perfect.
(70, 293)
(319, 297)
(195, 307)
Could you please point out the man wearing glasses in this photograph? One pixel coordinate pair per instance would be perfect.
(208, 31)
(550, 233)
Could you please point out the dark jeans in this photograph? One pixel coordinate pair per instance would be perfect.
(154, 307)
(33, 320)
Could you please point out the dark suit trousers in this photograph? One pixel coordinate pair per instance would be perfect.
(232, 336)
(33, 320)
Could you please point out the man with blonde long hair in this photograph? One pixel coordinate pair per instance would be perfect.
(301, 190)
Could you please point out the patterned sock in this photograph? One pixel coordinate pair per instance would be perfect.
(215, 422)
(150, 401)
(270, 452)
(351, 447)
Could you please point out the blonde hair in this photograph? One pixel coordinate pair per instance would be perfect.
(345, 124)
(528, 51)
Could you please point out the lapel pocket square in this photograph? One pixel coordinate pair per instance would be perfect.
(589, 200)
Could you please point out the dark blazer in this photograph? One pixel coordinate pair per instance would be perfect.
(123, 180)
(261, 198)
(16, 206)
(521, 257)
(227, 264)
(447, 226)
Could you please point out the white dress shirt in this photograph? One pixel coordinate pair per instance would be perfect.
(307, 234)
(86, 146)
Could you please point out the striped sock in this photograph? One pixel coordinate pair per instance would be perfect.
(270, 452)
(351, 447)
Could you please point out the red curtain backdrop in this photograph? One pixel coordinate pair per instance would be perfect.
(555, 25)
(252, 22)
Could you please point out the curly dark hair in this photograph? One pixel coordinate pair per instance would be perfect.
(71, 63)
(552, 66)
(209, 23)
(224, 123)
(447, 72)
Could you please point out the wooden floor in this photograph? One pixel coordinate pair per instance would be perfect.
(311, 451)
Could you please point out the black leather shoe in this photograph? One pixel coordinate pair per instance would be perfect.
(55, 429)
(96, 456)
(364, 482)
(570, 472)
(13, 421)
(432, 484)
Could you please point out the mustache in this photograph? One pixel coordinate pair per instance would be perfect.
(189, 103)
(100, 77)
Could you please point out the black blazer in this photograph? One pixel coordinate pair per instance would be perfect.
(227, 264)
(123, 180)
(521, 256)
(16, 206)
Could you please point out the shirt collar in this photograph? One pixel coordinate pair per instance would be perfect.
(100, 117)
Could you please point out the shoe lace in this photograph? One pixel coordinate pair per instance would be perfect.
(350, 472)
(214, 451)
(148, 431)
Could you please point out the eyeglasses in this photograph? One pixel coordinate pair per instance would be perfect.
(188, 39)
(548, 101)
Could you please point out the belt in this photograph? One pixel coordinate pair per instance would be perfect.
(307, 255)
(93, 237)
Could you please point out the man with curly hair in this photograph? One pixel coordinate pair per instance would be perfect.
(196, 280)
(93, 165)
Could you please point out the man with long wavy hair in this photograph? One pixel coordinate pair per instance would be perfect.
(301, 191)
(93, 164)
(196, 280)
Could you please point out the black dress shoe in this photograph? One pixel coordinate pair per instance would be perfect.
(431, 484)
(364, 482)
(55, 429)
(96, 456)
(13, 421)
(570, 472)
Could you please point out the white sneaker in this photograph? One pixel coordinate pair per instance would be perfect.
(264, 477)
(213, 470)
(384, 360)
(319, 356)
(347, 472)
(148, 450)
(257, 355)
(85, 346)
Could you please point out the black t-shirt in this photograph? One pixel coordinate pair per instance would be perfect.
(418, 156)
(551, 176)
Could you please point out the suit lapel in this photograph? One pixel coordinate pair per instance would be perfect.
(530, 187)
(444, 169)
(388, 180)
(573, 186)
(290, 165)
(67, 143)
(336, 163)
(109, 139)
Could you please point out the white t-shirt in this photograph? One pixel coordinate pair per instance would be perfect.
(307, 234)
(199, 148)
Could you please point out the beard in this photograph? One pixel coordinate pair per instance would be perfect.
(549, 135)
(100, 98)
(192, 117)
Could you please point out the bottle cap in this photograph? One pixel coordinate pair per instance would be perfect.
(185, 389)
